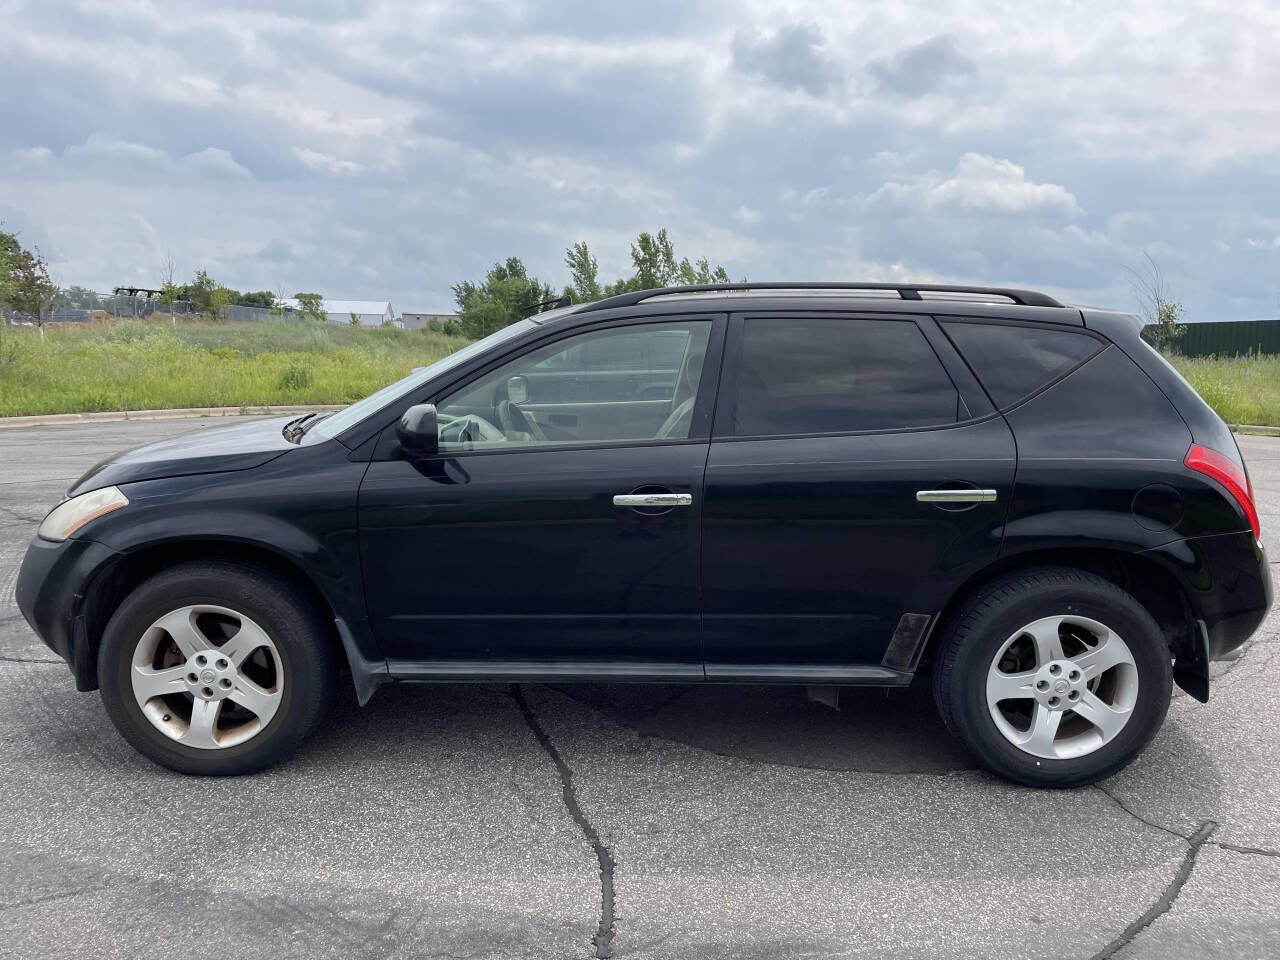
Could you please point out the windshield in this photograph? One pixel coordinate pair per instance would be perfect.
(348, 417)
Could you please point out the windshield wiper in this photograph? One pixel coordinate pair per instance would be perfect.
(295, 429)
(311, 420)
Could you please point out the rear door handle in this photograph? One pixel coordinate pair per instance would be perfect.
(967, 495)
(653, 500)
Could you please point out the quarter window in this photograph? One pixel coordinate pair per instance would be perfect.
(1014, 362)
(833, 375)
(634, 383)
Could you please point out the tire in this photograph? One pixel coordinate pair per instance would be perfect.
(267, 655)
(1000, 641)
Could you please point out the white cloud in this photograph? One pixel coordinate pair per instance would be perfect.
(103, 151)
(216, 164)
(983, 184)
(326, 162)
(411, 145)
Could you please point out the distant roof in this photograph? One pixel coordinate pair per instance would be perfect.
(349, 306)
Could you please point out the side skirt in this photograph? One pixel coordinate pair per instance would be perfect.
(539, 671)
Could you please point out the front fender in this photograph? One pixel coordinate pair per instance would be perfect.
(304, 515)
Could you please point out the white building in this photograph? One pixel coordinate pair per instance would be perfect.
(369, 313)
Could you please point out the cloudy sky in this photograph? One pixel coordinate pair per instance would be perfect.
(388, 149)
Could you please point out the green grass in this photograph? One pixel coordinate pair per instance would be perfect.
(145, 366)
(1240, 389)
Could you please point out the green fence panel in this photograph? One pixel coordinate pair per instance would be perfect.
(1229, 338)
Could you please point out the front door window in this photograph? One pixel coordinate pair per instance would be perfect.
(622, 384)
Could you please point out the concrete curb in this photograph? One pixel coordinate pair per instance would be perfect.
(178, 413)
(1260, 431)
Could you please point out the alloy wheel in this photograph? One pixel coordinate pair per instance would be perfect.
(1062, 687)
(207, 676)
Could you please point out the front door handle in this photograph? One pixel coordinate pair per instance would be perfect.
(653, 500)
(966, 495)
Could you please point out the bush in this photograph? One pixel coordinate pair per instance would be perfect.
(296, 376)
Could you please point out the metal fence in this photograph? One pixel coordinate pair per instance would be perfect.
(1228, 338)
(113, 307)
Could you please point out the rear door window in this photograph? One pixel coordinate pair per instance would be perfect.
(838, 375)
(1014, 362)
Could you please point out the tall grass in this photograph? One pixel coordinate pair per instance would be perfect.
(133, 365)
(1241, 389)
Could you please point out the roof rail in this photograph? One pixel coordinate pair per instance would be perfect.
(906, 291)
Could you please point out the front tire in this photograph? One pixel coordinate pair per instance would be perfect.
(215, 668)
(1053, 677)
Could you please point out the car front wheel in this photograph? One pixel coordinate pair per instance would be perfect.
(215, 668)
(1053, 677)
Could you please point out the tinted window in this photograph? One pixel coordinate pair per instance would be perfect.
(829, 375)
(634, 383)
(1013, 362)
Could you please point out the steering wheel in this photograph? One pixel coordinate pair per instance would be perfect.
(469, 429)
(677, 423)
(514, 420)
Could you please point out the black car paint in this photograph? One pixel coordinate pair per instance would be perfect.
(813, 550)
(240, 446)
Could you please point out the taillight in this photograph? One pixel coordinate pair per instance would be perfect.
(1228, 473)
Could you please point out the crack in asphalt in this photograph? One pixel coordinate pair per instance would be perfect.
(1165, 901)
(1253, 851)
(10, 512)
(1137, 816)
(633, 722)
(8, 659)
(603, 939)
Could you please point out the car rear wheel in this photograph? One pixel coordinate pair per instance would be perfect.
(1053, 677)
(215, 668)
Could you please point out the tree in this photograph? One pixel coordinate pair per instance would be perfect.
(10, 250)
(311, 306)
(655, 264)
(82, 298)
(506, 294)
(200, 291)
(1163, 314)
(169, 288)
(28, 289)
(654, 260)
(355, 319)
(584, 273)
(263, 299)
(219, 300)
(701, 273)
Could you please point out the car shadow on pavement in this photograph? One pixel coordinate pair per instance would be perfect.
(895, 731)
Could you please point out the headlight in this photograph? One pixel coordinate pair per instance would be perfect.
(66, 518)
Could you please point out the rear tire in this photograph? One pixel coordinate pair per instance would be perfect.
(215, 668)
(1053, 677)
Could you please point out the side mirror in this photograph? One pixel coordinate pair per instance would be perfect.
(518, 389)
(418, 432)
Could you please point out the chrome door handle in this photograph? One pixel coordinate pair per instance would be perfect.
(955, 496)
(653, 500)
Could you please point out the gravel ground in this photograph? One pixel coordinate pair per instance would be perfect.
(631, 821)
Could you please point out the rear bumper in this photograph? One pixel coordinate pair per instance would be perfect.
(1226, 580)
(50, 593)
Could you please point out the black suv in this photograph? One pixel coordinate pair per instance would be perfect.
(830, 485)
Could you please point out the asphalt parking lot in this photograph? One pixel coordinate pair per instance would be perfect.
(631, 821)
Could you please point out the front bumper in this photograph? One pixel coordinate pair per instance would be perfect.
(51, 588)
